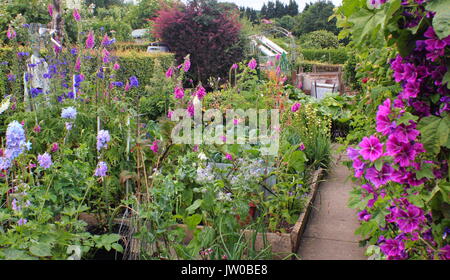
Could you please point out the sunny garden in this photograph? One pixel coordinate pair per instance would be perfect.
(90, 167)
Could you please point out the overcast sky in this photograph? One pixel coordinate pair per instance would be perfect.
(257, 4)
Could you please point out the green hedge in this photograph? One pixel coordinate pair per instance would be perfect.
(307, 65)
(141, 64)
(133, 63)
(332, 56)
(131, 46)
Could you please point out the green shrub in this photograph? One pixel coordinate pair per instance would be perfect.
(321, 39)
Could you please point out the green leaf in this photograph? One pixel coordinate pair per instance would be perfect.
(191, 209)
(441, 21)
(379, 164)
(446, 79)
(434, 133)
(297, 161)
(426, 171)
(41, 250)
(14, 254)
(366, 23)
(193, 221)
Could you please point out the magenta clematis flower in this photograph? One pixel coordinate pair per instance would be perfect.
(352, 153)
(378, 178)
(90, 41)
(359, 167)
(295, 107)
(405, 134)
(393, 249)
(252, 64)
(364, 215)
(76, 15)
(371, 148)
(409, 220)
(384, 124)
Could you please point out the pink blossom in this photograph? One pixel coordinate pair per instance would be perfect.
(55, 147)
(78, 65)
(252, 64)
(302, 147)
(11, 33)
(371, 148)
(295, 107)
(179, 92)
(76, 15)
(90, 41)
(186, 65)
(200, 93)
(50, 10)
(116, 66)
(234, 66)
(229, 156)
(169, 72)
(154, 146)
(169, 114)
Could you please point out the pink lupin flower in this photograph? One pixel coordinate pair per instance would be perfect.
(252, 64)
(169, 114)
(234, 66)
(90, 41)
(76, 15)
(50, 10)
(106, 56)
(169, 72)
(179, 92)
(186, 65)
(154, 146)
(200, 93)
(229, 156)
(11, 33)
(191, 109)
(55, 147)
(78, 65)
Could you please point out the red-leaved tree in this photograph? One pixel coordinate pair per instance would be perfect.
(205, 29)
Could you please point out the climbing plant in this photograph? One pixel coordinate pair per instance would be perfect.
(402, 163)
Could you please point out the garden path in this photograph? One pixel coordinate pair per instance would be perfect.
(329, 233)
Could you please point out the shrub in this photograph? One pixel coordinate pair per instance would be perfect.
(206, 31)
(307, 65)
(319, 39)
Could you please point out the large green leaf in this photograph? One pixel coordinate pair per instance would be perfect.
(41, 250)
(441, 21)
(434, 133)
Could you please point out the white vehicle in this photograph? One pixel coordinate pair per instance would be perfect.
(157, 47)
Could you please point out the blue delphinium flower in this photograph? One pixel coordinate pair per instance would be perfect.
(118, 84)
(69, 113)
(102, 139)
(35, 92)
(11, 77)
(15, 140)
(28, 76)
(45, 160)
(101, 170)
(134, 81)
(74, 51)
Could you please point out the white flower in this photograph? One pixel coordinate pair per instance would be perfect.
(202, 156)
